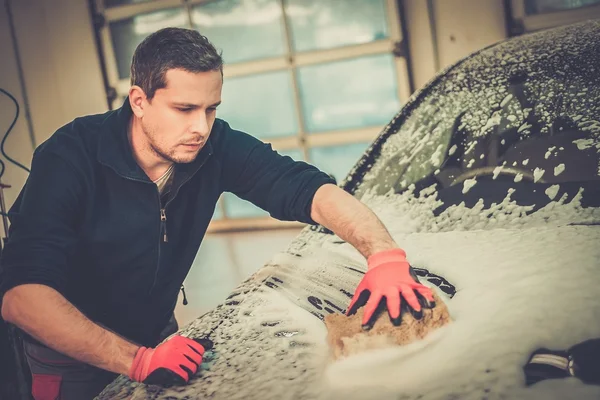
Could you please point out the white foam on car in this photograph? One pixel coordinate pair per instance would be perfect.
(468, 184)
(523, 281)
(583, 144)
(537, 174)
(517, 290)
(552, 191)
(518, 177)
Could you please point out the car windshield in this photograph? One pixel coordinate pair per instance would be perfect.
(502, 117)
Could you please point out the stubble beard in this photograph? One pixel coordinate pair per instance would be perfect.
(157, 151)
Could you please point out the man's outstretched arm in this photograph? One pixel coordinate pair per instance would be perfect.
(388, 274)
(351, 220)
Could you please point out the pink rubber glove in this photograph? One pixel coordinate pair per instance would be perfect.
(171, 362)
(389, 275)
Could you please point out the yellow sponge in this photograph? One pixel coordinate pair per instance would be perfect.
(346, 336)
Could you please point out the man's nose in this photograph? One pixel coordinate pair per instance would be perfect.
(200, 125)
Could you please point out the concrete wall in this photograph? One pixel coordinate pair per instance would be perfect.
(18, 145)
(464, 26)
(60, 70)
(60, 63)
(443, 31)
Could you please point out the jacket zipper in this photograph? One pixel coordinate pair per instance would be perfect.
(159, 206)
(163, 230)
(165, 238)
(163, 225)
(163, 211)
(163, 218)
(163, 221)
(185, 302)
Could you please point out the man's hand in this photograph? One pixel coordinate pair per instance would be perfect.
(389, 275)
(172, 362)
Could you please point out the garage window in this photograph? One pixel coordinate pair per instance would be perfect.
(315, 78)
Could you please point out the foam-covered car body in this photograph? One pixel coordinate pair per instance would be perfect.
(489, 178)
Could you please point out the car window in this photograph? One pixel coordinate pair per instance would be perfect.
(501, 115)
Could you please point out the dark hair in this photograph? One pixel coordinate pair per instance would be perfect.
(171, 48)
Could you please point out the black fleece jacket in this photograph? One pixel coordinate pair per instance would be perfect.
(88, 220)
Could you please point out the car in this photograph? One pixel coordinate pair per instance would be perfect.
(489, 178)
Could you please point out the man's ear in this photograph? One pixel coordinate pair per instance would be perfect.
(137, 100)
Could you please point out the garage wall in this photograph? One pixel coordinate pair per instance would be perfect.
(18, 145)
(464, 26)
(60, 69)
(443, 31)
(60, 63)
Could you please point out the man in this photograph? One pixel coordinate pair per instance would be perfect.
(114, 210)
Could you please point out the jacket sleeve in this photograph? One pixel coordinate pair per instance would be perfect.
(253, 171)
(43, 220)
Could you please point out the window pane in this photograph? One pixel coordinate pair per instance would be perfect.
(112, 3)
(324, 24)
(218, 214)
(544, 6)
(261, 105)
(243, 29)
(337, 160)
(239, 208)
(349, 94)
(127, 34)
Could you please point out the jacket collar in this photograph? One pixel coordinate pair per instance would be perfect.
(114, 149)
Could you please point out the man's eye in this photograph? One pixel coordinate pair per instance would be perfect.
(213, 109)
(185, 109)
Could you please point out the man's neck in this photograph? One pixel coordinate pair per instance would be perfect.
(153, 165)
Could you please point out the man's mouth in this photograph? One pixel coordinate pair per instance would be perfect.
(193, 145)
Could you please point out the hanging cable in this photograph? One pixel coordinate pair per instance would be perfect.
(2, 165)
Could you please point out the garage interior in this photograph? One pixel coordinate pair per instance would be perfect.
(67, 58)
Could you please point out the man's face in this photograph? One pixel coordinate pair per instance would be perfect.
(179, 118)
